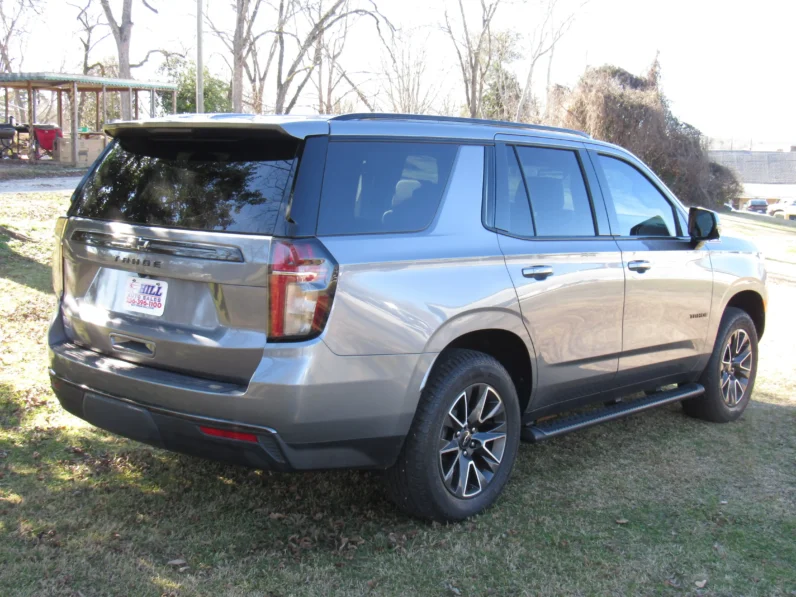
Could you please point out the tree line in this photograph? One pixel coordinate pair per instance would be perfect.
(283, 53)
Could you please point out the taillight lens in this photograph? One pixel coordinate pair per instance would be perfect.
(301, 281)
(58, 258)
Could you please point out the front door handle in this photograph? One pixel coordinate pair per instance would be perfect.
(539, 272)
(639, 265)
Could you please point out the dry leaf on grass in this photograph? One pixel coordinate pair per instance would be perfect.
(622, 521)
(177, 562)
(700, 584)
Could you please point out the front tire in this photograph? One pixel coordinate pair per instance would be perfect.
(463, 441)
(729, 377)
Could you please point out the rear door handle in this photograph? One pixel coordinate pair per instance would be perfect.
(639, 265)
(539, 272)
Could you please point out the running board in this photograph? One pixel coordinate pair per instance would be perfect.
(537, 433)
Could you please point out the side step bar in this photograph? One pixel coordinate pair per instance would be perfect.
(537, 433)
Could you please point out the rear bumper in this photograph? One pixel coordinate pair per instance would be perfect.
(162, 428)
(309, 408)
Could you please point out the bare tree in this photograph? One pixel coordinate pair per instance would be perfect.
(404, 77)
(332, 75)
(90, 23)
(122, 32)
(293, 75)
(13, 19)
(291, 48)
(241, 43)
(473, 51)
(543, 42)
(14, 15)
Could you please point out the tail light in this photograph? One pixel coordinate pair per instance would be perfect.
(58, 258)
(302, 276)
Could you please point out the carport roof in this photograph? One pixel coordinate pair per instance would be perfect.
(56, 81)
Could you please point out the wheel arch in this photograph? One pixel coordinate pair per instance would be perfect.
(500, 334)
(753, 303)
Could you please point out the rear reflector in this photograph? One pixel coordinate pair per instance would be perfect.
(226, 434)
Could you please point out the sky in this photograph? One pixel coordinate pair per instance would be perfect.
(727, 65)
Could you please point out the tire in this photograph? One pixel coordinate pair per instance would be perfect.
(721, 402)
(417, 481)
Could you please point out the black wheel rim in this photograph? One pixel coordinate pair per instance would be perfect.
(472, 441)
(736, 367)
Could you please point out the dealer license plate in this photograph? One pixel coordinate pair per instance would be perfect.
(145, 295)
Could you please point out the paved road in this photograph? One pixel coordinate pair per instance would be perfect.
(778, 244)
(40, 185)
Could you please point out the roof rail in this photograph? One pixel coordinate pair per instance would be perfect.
(456, 120)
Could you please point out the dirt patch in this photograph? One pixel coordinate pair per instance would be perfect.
(22, 169)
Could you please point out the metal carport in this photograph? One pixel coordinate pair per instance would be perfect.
(74, 84)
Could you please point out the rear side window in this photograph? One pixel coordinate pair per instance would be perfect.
(641, 209)
(559, 200)
(219, 182)
(372, 187)
(512, 211)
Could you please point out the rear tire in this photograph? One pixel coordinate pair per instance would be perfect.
(446, 471)
(729, 377)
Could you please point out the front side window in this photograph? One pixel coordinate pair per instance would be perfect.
(559, 200)
(641, 209)
(376, 187)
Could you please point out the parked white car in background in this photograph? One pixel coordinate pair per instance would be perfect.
(784, 208)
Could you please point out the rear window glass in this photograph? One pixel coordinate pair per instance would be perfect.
(218, 182)
(373, 187)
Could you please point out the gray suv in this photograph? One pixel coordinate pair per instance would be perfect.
(406, 293)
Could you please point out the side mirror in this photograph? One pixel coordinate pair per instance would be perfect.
(703, 224)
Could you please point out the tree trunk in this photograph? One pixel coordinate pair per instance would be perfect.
(124, 73)
(121, 34)
(242, 7)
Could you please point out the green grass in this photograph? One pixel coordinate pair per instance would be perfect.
(85, 513)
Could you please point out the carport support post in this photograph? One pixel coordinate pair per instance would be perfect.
(74, 123)
(104, 105)
(60, 110)
(136, 105)
(97, 110)
(31, 134)
(151, 103)
(173, 102)
(6, 99)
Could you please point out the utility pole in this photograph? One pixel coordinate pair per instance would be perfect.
(200, 87)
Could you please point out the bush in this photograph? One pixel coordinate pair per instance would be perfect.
(616, 106)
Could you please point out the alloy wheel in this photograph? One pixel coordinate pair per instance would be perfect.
(736, 367)
(472, 441)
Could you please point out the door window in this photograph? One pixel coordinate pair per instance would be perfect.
(641, 209)
(512, 212)
(559, 200)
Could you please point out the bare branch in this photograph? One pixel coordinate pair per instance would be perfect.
(165, 53)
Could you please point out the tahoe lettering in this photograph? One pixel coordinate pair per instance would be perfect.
(136, 261)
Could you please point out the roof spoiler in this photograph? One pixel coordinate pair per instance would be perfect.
(297, 127)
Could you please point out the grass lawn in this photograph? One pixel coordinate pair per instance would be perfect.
(657, 504)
